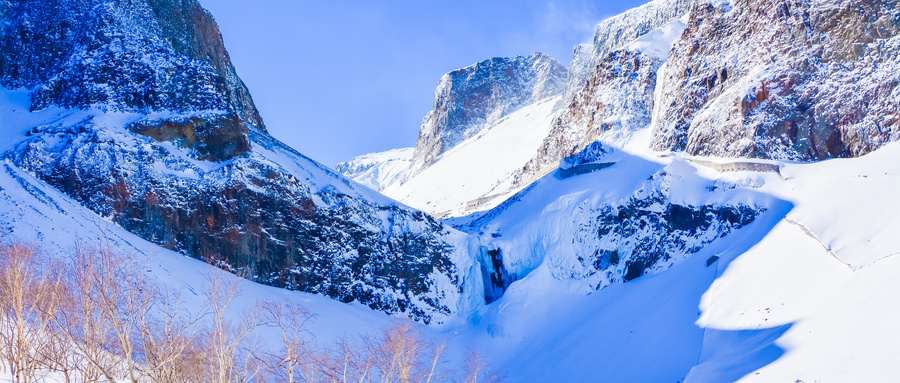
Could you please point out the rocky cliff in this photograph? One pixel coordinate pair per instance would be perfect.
(607, 226)
(797, 80)
(470, 99)
(801, 80)
(144, 121)
(611, 82)
(617, 31)
(618, 96)
(148, 56)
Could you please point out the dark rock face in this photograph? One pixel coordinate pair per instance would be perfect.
(608, 88)
(593, 152)
(210, 138)
(496, 278)
(255, 218)
(470, 99)
(648, 233)
(636, 236)
(599, 244)
(800, 80)
(130, 55)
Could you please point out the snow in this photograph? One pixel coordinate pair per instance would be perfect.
(480, 166)
(776, 306)
(33, 211)
(807, 292)
(658, 42)
(378, 170)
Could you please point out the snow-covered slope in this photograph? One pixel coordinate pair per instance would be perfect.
(378, 170)
(134, 110)
(776, 305)
(628, 265)
(480, 166)
(814, 277)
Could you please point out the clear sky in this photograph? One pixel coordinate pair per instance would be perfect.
(337, 79)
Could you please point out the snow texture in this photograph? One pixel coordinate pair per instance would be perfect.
(378, 170)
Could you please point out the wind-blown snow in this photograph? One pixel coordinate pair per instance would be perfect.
(658, 42)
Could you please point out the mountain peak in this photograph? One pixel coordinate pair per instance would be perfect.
(470, 99)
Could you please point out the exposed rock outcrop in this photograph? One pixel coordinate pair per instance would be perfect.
(594, 242)
(618, 96)
(617, 31)
(270, 215)
(797, 79)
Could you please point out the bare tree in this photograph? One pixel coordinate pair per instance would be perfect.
(87, 321)
(124, 298)
(477, 370)
(26, 295)
(104, 320)
(400, 355)
(169, 349)
(228, 335)
(296, 359)
(346, 362)
(59, 356)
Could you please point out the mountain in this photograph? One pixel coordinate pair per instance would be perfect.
(625, 256)
(471, 99)
(616, 101)
(133, 110)
(156, 55)
(721, 259)
(378, 170)
(636, 223)
(800, 80)
(477, 173)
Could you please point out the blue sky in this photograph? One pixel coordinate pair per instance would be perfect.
(337, 79)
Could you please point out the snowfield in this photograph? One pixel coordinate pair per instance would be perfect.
(480, 166)
(378, 170)
(808, 292)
